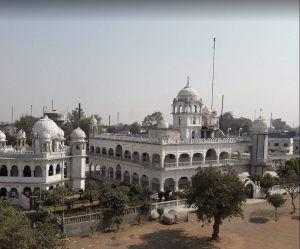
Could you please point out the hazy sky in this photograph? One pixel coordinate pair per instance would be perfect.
(136, 63)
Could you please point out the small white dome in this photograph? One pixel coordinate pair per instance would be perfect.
(21, 134)
(2, 136)
(77, 134)
(259, 125)
(45, 136)
(46, 125)
(61, 133)
(205, 109)
(163, 125)
(93, 121)
(188, 93)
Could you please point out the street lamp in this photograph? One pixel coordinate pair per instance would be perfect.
(240, 131)
(229, 129)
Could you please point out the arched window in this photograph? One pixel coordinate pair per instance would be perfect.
(38, 171)
(50, 172)
(27, 191)
(57, 170)
(92, 150)
(3, 170)
(119, 151)
(127, 154)
(135, 156)
(97, 150)
(14, 171)
(111, 152)
(27, 171)
(179, 120)
(193, 134)
(104, 152)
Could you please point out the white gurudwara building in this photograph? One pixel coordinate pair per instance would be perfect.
(169, 155)
(46, 164)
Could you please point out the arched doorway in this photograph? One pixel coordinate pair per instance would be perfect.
(118, 173)
(183, 183)
(27, 191)
(144, 181)
(126, 177)
(169, 184)
(27, 171)
(135, 179)
(3, 192)
(155, 184)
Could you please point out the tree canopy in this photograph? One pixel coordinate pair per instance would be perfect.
(229, 121)
(217, 195)
(16, 231)
(152, 120)
(26, 123)
(289, 178)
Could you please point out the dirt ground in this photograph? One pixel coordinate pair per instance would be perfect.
(257, 229)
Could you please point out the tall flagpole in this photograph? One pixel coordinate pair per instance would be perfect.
(213, 76)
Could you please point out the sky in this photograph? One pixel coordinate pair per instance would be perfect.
(134, 59)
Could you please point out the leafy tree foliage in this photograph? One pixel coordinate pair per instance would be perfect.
(280, 125)
(276, 201)
(11, 140)
(229, 121)
(135, 128)
(289, 178)
(16, 231)
(217, 195)
(26, 123)
(152, 120)
(114, 202)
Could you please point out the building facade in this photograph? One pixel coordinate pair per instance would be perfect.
(46, 164)
(169, 155)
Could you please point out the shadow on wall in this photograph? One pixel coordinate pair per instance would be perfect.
(174, 239)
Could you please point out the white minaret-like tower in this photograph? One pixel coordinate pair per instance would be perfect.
(78, 147)
(259, 153)
(189, 116)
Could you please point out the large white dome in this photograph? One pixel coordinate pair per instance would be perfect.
(78, 135)
(46, 125)
(188, 93)
(259, 125)
(2, 136)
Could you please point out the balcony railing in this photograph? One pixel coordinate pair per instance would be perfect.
(144, 139)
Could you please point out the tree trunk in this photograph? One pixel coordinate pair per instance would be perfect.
(294, 207)
(275, 214)
(216, 228)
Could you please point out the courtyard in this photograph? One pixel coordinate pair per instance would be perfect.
(257, 229)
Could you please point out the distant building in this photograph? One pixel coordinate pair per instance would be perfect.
(296, 146)
(57, 116)
(281, 143)
(167, 156)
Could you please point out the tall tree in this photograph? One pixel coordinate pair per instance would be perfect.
(152, 120)
(135, 128)
(289, 179)
(216, 194)
(280, 125)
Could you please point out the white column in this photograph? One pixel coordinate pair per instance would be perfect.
(176, 185)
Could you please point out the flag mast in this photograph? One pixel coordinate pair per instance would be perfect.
(213, 76)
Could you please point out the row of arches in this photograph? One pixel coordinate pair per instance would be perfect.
(27, 172)
(116, 175)
(147, 159)
(27, 191)
(14, 171)
(182, 108)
